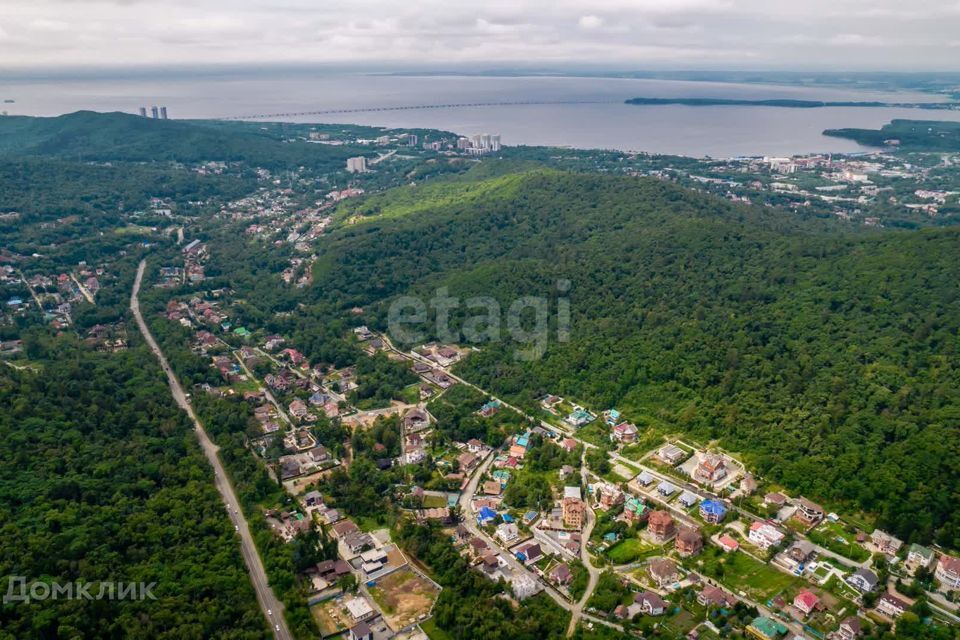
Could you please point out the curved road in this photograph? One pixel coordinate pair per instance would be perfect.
(576, 609)
(271, 606)
(592, 571)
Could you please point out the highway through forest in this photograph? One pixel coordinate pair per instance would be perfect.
(271, 606)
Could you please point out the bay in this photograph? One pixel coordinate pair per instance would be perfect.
(570, 111)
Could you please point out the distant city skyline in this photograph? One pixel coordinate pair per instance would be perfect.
(849, 35)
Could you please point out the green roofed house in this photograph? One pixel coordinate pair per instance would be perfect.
(918, 557)
(766, 628)
(579, 418)
(634, 510)
(241, 331)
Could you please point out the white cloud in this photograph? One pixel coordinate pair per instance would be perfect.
(855, 40)
(590, 22)
(622, 33)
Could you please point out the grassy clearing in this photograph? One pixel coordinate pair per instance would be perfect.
(410, 200)
(411, 393)
(834, 537)
(433, 631)
(434, 502)
(630, 550)
(740, 572)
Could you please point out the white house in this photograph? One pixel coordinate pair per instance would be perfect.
(764, 535)
(863, 580)
(524, 585)
(507, 531)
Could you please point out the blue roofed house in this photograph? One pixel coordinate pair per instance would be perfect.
(485, 516)
(529, 553)
(712, 511)
(612, 416)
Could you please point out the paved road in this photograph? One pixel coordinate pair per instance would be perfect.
(271, 606)
(593, 572)
(469, 521)
(264, 388)
(577, 609)
(704, 494)
(83, 290)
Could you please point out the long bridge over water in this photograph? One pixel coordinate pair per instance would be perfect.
(455, 105)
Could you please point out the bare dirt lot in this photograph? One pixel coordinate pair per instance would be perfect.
(330, 617)
(403, 596)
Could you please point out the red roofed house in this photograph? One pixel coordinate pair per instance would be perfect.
(689, 542)
(712, 468)
(561, 574)
(624, 432)
(660, 526)
(806, 602)
(727, 543)
(663, 571)
(948, 572)
(491, 488)
(295, 356)
(715, 597)
(516, 451)
(849, 629)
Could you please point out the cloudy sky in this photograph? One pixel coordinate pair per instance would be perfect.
(622, 34)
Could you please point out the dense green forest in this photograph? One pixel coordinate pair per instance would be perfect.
(101, 479)
(90, 136)
(829, 359)
(912, 135)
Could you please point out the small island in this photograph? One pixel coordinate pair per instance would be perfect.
(787, 103)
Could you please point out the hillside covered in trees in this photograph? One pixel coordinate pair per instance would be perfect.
(102, 481)
(110, 137)
(827, 356)
(915, 135)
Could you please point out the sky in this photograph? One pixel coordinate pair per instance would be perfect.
(848, 35)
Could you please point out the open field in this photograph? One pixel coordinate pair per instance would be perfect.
(433, 631)
(761, 582)
(630, 550)
(834, 537)
(433, 502)
(403, 596)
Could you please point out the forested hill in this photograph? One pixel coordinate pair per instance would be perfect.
(910, 135)
(827, 357)
(91, 136)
